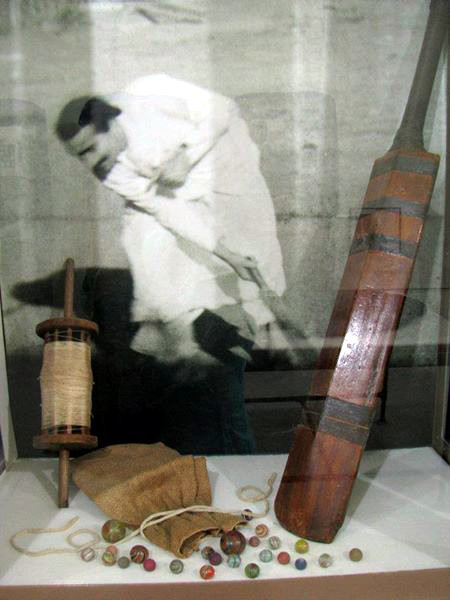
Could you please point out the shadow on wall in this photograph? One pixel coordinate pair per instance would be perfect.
(133, 392)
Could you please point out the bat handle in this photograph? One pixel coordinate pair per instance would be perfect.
(410, 132)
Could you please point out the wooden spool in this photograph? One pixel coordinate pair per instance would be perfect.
(66, 437)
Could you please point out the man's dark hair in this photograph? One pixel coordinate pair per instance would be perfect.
(83, 111)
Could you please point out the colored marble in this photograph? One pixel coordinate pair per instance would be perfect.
(113, 549)
(233, 542)
(254, 541)
(325, 560)
(149, 564)
(274, 542)
(123, 562)
(301, 546)
(284, 558)
(261, 530)
(114, 531)
(206, 551)
(234, 560)
(109, 558)
(215, 558)
(355, 554)
(248, 515)
(176, 566)
(88, 554)
(138, 554)
(265, 555)
(300, 564)
(207, 572)
(251, 570)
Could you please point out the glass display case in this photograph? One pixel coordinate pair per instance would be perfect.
(319, 88)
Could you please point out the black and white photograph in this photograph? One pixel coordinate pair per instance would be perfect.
(223, 225)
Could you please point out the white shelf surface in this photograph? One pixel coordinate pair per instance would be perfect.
(399, 515)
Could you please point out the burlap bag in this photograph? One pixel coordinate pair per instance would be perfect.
(132, 481)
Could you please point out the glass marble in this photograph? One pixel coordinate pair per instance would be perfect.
(138, 554)
(207, 572)
(176, 566)
(254, 541)
(215, 558)
(88, 554)
(284, 558)
(109, 558)
(355, 554)
(248, 516)
(301, 546)
(149, 564)
(252, 570)
(123, 562)
(300, 564)
(265, 555)
(206, 551)
(261, 530)
(233, 561)
(113, 549)
(113, 531)
(274, 542)
(325, 560)
(233, 542)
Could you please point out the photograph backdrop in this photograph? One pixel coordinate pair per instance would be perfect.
(322, 86)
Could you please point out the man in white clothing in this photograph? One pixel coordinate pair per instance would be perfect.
(199, 226)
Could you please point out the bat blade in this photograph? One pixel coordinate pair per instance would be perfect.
(323, 462)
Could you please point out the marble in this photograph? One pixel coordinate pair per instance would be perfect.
(325, 560)
(274, 542)
(355, 554)
(300, 564)
(88, 554)
(301, 546)
(113, 549)
(206, 551)
(252, 570)
(265, 555)
(233, 542)
(215, 558)
(254, 541)
(149, 564)
(284, 558)
(234, 561)
(123, 562)
(207, 572)
(176, 566)
(113, 531)
(262, 530)
(109, 558)
(138, 554)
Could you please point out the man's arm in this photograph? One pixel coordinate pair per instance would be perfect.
(192, 221)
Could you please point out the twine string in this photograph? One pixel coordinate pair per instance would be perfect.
(66, 384)
(154, 519)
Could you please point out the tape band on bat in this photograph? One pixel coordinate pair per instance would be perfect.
(394, 204)
(405, 163)
(383, 243)
(342, 419)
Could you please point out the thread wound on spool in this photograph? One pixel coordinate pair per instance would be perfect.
(66, 384)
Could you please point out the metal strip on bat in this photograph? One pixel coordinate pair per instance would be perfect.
(383, 243)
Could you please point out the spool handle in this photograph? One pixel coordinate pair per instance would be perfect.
(69, 287)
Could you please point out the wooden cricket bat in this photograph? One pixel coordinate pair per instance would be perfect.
(327, 449)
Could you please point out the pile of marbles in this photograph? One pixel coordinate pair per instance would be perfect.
(114, 531)
(232, 544)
